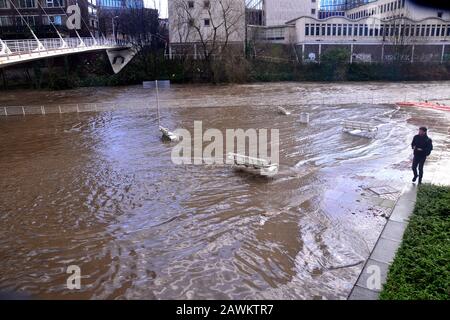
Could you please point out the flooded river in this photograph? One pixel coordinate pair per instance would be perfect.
(99, 190)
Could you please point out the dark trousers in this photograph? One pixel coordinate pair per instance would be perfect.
(418, 162)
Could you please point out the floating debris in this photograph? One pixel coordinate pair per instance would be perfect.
(283, 111)
(168, 135)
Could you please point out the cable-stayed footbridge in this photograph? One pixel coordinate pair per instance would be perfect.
(18, 51)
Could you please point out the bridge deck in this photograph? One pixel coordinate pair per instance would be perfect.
(20, 51)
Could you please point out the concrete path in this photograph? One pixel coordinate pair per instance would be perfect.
(373, 275)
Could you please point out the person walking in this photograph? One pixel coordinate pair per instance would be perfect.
(422, 146)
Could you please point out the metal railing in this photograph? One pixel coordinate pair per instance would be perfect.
(18, 48)
(150, 105)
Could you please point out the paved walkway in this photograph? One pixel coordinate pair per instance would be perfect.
(385, 249)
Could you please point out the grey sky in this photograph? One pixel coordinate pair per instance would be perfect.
(161, 5)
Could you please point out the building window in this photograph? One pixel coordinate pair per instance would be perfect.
(439, 14)
(317, 29)
(412, 31)
(111, 3)
(190, 4)
(306, 29)
(54, 3)
(27, 4)
(5, 21)
(313, 11)
(324, 31)
(207, 22)
(56, 20)
(4, 4)
(339, 30)
(191, 22)
(29, 20)
(334, 29)
(206, 4)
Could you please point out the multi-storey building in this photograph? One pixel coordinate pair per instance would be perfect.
(17, 16)
(109, 11)
(330, 8)
(194, 21)
(120, 4)
(376, 22)
(378, 31)
(277, 12)
(370, 29)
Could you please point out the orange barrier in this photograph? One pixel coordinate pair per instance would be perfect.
(428, 105)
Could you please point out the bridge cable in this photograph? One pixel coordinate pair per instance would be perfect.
(64, 43)
(82, 44)
(40, 46)
(87, 26)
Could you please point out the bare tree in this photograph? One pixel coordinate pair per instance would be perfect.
(398, 33)
(213, 24)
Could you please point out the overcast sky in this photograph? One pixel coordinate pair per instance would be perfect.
(161, 5)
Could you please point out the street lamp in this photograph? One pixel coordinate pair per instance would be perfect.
(113, 28)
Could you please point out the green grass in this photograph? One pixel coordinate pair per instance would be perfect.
(421, 268)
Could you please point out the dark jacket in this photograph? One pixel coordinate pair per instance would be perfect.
(424, 143)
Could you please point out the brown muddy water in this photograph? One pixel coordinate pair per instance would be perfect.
(99, 190)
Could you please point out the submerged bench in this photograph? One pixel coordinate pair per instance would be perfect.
(359, 128)
(262, 167)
